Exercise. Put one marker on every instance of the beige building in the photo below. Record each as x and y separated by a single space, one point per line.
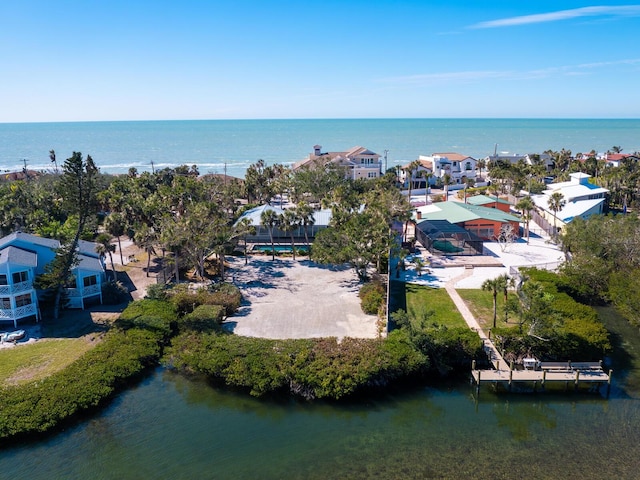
358 162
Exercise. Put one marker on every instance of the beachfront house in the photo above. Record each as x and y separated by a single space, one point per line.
357 162
527 159
436 166
23 257
581 199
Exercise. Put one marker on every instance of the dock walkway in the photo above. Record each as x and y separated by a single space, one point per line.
549 372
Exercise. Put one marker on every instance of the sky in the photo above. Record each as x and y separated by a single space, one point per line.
91 60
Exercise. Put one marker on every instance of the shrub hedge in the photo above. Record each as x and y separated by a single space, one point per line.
311 368
85 384
372 297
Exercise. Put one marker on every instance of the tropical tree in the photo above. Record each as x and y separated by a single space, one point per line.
526 206
419 266
289 223
306 218
114 223
494 286
270 219
556 202
105 247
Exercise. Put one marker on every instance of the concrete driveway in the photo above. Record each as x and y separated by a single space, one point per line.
297 299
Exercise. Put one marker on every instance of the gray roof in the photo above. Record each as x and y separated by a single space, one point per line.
27 237
255 214
86 262
18 256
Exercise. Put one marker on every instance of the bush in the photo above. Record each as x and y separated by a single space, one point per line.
114 293
85 384
311 368
372 297
157 291
224 294
203 318
154 315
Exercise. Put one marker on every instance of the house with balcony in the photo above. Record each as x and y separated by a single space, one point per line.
24 256
357 162
458 167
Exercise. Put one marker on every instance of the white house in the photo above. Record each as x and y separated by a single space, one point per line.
24 256
358 162
528 159
459 168
581 199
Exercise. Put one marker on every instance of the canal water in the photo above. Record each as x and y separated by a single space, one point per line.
172 427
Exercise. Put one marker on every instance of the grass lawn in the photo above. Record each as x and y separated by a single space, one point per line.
416 300
480 303
26 363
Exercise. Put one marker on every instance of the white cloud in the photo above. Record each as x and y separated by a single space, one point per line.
474 76
596 11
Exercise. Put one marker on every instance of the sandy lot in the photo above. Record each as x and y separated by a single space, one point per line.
301 299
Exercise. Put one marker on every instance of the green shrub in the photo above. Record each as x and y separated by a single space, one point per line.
114 293
157 291
203 318
311 368
225 294
40 406
372 297
149 314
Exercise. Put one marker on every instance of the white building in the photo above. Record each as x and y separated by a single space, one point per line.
582 199
458 167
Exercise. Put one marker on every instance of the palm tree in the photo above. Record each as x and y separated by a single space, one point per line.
556 202
244 228
114 223
493 286
269 218
480 165
304 212
446 180
506 282
526 206
411 170
104 246
289 223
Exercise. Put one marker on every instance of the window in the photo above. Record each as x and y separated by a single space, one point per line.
22 300
3 279
20 277
467 166
88 281
373 175
5 303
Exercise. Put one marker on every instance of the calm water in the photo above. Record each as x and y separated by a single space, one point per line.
117 146
173 428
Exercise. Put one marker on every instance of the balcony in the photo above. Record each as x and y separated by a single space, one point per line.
18 312
15 288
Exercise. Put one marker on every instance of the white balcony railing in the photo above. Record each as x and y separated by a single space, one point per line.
18 312
84 292
15 288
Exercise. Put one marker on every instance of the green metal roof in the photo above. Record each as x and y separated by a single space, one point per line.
458 212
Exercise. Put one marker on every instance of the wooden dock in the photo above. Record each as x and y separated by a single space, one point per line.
566 373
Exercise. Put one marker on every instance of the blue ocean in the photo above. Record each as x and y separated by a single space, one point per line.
216 145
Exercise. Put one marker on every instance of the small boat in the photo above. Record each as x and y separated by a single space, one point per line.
12 336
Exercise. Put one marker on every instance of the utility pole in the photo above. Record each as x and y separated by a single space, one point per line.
385 160
153 170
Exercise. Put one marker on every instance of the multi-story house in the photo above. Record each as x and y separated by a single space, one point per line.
358 162
23 257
